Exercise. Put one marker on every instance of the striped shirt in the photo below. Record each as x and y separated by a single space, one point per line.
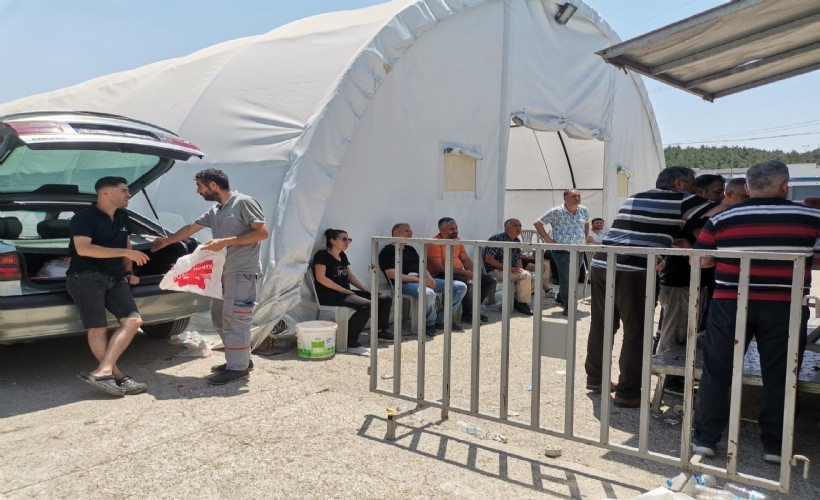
652 219
762 225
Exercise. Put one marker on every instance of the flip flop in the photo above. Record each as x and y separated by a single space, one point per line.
105 383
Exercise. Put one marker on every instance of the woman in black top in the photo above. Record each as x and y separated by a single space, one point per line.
331 270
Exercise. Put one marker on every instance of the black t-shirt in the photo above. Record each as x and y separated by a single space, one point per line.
103 231
335 271
409 259
675 272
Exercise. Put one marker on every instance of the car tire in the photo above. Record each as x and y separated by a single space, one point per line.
165 330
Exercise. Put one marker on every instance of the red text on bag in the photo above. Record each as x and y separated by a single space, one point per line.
196 275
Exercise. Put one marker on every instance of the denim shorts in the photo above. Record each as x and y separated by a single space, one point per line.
95 292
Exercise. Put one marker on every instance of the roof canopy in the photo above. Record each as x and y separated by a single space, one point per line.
738 46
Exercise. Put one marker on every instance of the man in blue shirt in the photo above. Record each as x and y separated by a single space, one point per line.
570 226
521 278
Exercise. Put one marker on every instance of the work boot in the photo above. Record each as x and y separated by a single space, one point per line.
226 376
224 366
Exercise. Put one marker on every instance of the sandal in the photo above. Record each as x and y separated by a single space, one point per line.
105 383
131 386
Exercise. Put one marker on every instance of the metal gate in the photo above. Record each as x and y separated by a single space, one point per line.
552 346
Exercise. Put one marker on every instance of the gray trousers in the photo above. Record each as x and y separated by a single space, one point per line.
232 317
675 302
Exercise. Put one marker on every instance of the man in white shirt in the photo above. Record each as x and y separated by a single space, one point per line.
597 232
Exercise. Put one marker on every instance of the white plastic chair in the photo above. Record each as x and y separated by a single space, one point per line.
528 235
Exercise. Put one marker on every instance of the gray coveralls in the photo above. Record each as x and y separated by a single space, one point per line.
233 315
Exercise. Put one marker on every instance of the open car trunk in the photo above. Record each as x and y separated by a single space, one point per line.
44 240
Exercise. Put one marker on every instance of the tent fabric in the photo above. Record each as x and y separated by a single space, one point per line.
342 120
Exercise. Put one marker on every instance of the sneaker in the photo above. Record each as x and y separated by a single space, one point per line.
565 312
772 458
431 330
131 386
226 376
359 350
224 366
627 402
523 308
386 337
706 451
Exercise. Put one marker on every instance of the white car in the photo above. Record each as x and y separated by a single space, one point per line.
49 162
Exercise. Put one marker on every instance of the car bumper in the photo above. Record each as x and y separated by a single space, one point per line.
34 317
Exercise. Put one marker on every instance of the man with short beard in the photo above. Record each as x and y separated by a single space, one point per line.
98 278
238 224
463 269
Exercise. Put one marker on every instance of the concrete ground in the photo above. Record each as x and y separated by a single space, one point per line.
301 428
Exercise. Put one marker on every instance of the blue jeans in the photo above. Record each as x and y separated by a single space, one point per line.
459 290
561 259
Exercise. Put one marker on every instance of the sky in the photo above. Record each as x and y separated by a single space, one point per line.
51 44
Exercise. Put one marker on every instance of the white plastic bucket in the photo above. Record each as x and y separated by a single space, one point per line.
316 339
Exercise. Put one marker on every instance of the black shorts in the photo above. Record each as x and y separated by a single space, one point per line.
95 292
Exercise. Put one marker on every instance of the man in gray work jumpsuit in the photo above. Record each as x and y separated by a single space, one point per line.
238 224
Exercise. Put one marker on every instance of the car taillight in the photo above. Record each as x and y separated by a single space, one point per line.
10 268
29 128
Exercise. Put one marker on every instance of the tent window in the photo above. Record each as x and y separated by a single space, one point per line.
624 174
460 170
459 173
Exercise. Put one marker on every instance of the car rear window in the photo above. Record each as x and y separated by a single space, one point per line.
69 168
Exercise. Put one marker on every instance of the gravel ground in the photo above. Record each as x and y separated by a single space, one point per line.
303 428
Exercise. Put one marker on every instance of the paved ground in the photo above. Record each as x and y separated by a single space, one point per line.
301 429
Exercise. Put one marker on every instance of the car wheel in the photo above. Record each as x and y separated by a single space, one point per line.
165 330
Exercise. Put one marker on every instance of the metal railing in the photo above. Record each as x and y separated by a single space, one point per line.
685 459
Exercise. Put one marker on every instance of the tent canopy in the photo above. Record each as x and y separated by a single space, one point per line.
734 47
399 112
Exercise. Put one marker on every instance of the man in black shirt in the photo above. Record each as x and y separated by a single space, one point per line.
412 279
98 278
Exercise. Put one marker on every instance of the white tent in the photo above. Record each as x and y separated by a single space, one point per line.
398 112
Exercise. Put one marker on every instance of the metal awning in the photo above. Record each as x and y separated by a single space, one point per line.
734 47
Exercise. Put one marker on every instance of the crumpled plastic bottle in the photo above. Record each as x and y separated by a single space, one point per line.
707 493
742 492
473 430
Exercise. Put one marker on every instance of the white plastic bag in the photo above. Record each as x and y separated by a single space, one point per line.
199 272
